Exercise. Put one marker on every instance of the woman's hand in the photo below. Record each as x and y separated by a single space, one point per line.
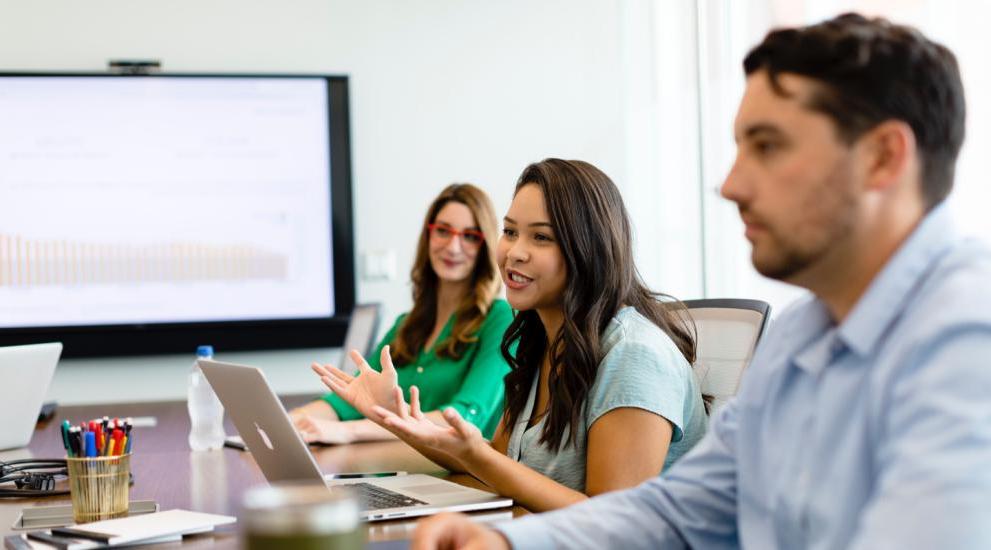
368 389
317 409
459 438
321 430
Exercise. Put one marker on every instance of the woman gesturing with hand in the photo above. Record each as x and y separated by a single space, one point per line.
367 390
449 342
455 437
600 395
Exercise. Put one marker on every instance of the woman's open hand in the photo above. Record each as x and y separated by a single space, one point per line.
458 439
366 390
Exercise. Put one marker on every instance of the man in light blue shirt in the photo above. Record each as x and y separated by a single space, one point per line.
864 420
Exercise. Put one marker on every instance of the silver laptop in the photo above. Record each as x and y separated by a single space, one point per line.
26 372
282 455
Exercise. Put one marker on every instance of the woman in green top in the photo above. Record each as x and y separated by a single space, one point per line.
601 391
448 344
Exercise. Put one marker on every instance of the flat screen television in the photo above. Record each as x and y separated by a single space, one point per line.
148 214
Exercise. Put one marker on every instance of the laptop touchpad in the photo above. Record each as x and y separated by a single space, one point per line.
433 489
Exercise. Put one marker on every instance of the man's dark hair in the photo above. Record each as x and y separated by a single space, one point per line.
870 71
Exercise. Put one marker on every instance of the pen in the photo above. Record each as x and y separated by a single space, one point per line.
65 437
75 441
128 424
90 444
98 437
117 443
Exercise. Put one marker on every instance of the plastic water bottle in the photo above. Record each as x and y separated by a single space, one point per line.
206 413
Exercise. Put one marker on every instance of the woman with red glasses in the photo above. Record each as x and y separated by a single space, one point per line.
448 344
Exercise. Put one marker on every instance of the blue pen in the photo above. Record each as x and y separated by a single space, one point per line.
90 444
128 424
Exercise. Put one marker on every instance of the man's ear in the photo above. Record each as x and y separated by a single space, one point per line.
890 153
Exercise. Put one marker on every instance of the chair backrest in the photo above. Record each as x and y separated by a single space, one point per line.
361 333
728 332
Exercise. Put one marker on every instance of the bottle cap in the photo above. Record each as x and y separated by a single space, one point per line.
204 351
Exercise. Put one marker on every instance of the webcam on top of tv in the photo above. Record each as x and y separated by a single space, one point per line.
134 66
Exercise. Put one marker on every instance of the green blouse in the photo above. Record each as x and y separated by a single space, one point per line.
472 385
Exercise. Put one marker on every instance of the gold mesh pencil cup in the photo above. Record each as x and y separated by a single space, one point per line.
99 487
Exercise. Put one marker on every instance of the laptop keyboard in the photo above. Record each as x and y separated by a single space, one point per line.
377 498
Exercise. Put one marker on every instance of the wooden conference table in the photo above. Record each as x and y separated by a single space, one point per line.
166 471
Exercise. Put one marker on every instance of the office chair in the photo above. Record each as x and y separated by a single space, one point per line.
728 332
362 329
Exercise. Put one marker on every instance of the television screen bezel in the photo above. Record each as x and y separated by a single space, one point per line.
265 334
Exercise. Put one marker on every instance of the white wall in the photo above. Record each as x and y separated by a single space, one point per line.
473 90
730 29
442 90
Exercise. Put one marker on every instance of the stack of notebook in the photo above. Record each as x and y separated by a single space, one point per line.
165 526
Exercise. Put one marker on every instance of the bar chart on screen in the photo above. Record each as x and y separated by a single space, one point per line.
51 280
33 262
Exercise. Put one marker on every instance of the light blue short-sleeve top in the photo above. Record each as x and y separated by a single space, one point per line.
641 368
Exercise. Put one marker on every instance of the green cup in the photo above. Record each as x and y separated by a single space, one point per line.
303 517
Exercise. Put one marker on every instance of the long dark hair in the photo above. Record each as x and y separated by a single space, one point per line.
592 228
485 282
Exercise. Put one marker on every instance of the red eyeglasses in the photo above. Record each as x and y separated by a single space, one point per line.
444 233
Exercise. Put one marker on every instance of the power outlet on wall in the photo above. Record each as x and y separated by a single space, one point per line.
378 265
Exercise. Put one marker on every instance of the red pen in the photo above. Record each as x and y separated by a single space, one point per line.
117 437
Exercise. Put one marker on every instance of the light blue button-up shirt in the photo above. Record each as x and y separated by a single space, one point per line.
871 434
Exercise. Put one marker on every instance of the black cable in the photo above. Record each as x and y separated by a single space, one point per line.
32 477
